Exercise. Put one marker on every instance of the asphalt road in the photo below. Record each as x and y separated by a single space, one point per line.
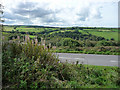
91 59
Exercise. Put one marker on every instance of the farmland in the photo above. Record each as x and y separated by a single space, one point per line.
71 39
108 34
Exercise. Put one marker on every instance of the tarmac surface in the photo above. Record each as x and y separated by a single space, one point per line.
91 59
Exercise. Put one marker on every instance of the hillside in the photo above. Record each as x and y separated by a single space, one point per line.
70 39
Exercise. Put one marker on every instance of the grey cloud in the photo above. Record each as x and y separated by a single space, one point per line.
26 5
11 16
50 18
34 11
40 12
23 8
85 14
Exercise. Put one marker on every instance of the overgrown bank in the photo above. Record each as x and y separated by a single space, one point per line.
91 50
32 66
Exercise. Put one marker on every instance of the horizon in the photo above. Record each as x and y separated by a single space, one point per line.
60 26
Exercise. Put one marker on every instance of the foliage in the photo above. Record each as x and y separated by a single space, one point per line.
71 37
32 66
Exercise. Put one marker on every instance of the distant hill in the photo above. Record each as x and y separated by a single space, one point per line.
35 26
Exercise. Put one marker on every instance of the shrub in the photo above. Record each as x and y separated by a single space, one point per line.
34 67
22 64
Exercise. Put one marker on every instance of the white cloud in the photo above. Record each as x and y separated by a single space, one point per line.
54 12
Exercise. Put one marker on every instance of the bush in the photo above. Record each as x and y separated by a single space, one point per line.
35 67
22 64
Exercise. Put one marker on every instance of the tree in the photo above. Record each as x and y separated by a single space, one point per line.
112 39
15 27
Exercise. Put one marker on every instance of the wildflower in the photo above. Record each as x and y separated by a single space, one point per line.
23 38
54 47
27 38
36 41
49 45
18 37
3 38
41 41
10 41
13 38
32 42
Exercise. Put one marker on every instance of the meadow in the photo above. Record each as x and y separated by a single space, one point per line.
108 34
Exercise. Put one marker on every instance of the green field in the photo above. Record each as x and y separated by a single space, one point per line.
30 29
32 36
23 29
108 34
61 31
80 38
8 28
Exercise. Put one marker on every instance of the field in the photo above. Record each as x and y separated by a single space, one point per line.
23 29
108 34
71 39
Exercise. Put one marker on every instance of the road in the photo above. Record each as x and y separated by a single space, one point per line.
91 59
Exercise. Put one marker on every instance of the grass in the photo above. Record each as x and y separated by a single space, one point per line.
61 31
32 36
30 29
82 31
23 29
89 50
4 33
7 28
106 34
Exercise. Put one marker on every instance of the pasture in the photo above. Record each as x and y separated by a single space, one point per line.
108 34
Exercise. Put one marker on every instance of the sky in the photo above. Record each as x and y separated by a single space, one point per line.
61 13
